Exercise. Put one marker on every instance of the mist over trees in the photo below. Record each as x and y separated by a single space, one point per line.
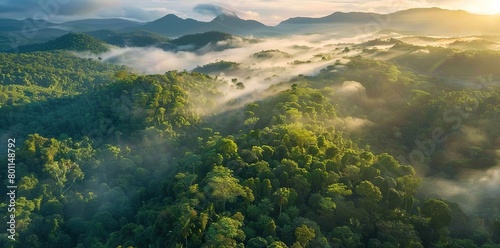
385 143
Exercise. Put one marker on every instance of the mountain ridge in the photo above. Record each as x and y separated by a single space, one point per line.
420 21
174 26
427 21
79 42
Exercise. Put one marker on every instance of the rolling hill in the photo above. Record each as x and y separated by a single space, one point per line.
72 42
131 39
337 17
173 26
212 40
88 25
200 40
234 25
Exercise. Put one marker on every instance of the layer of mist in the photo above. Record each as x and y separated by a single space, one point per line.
272 61
260 65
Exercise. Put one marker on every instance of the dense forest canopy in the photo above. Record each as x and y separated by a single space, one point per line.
350 156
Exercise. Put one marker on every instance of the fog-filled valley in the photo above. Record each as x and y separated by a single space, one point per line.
350 130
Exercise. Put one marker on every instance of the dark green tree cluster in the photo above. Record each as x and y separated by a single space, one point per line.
218 67
78 42
132 39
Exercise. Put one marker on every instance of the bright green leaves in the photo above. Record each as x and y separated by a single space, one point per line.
369 191
225 232
63 171
282 196
222 186
338 189
227 148
304 234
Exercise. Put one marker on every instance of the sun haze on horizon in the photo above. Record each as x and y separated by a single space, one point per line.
484 7
269 12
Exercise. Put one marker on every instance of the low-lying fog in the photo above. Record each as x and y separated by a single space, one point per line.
270 61
285 57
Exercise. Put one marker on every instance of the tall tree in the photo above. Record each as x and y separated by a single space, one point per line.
222 186
225 232
281 195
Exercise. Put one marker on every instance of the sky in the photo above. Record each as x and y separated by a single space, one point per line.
269 12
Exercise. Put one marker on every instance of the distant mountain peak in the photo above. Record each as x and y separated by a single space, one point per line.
169 17
171 25
226 17
235 22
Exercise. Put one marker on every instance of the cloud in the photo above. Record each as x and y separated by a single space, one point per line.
64 10
352 124
213 9
255 73
469 192
352 88
131 12
473 190
153 60
355 92
251 15
209 9
28 8
158 61
83 7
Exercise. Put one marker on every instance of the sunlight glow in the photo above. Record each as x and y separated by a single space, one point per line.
485 7
496 6
490 6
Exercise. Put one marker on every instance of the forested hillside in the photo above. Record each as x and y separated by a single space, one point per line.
72 42
132 39
109 158
35 77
